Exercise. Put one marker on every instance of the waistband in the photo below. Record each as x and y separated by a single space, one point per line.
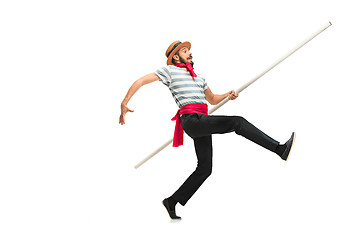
186 109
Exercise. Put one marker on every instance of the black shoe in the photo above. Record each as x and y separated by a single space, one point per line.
288 144
172 213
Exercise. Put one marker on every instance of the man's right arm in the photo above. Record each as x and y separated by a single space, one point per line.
152 77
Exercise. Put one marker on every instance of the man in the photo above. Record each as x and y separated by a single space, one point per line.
191 94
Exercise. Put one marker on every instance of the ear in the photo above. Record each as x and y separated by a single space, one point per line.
176 57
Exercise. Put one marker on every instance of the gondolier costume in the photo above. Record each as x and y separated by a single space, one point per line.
187 89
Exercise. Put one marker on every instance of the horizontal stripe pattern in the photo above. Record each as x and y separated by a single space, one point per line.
183 87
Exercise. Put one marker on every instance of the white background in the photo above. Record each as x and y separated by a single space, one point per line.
67 166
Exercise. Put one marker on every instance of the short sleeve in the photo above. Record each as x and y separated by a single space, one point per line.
205 86
164 75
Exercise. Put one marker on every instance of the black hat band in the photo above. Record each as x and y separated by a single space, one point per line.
177 44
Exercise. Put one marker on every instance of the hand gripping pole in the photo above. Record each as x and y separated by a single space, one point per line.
323 28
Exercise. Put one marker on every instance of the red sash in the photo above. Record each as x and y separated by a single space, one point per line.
188 108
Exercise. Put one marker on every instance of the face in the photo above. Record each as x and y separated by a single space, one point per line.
184 56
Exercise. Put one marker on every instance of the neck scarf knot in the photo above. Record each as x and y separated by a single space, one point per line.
189 67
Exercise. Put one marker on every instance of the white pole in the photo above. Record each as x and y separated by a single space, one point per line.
246 85
154 153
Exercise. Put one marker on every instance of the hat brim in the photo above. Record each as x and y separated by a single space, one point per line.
181 45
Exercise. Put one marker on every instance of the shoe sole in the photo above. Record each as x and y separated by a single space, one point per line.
169 214
291 146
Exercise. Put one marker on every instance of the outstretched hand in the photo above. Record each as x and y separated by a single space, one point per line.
124 110
232 95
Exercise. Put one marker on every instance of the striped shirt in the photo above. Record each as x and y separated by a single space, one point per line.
182 86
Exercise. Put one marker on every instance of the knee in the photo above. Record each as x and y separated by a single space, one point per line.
239 122
208 172
204 172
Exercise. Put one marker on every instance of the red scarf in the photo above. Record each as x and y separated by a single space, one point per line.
188 108
189 67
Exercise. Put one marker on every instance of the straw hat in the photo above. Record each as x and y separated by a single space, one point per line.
173 48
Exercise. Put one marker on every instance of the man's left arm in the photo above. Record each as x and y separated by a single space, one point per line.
214 99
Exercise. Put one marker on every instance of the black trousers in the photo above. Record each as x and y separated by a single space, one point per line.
200 127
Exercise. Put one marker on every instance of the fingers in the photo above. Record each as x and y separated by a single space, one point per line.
122 119
122 116
233 95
